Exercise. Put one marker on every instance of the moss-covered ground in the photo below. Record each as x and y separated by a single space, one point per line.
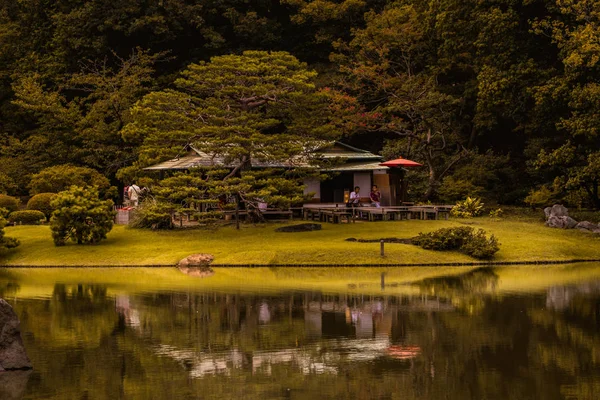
521 238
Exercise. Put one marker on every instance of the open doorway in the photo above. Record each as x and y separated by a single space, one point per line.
332 190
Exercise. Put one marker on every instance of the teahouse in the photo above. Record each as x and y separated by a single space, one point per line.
349 167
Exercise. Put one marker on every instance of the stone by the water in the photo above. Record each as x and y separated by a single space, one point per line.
558 210
587 226
299 228
547 211
196 260
12 351
557 216
13 384
562 222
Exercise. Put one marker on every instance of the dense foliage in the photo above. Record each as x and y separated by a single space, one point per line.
497 98
6 242
8 203
465 239
154 215
80 216
62 177
42 202
26 217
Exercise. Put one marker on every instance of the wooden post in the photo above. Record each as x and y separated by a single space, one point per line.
382 280
382 249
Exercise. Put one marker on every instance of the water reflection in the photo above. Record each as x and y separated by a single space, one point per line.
458 338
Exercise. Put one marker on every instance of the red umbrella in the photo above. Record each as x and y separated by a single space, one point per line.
401 162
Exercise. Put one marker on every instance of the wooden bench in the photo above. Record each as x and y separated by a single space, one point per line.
335 216
289 214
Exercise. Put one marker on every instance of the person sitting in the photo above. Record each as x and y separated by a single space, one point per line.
375 196
355 198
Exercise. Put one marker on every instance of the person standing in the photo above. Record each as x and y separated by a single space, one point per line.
375 196
134 194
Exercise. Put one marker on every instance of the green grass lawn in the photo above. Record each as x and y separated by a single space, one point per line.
525 239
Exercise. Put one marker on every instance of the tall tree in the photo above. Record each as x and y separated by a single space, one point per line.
573 94
255 109
80 121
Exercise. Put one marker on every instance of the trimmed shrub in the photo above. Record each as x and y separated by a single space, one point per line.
6 242
453 190
27 217
444 239
8 202
41 202
464 239
480 246
62 177
80 216
541 197
153 214
468 208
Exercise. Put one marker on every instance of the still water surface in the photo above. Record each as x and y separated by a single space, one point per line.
467 335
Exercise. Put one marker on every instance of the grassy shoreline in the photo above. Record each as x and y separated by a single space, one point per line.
522 240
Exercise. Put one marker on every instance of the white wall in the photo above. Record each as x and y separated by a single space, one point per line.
363 180
312 185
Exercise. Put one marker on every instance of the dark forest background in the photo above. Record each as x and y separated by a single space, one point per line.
498 98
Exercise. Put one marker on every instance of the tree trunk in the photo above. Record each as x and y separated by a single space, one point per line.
432 181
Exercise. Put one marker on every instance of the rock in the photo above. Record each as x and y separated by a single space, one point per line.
587 226
299 228
196 260
558 210
197 272
561 222
547 211
12 352
13 384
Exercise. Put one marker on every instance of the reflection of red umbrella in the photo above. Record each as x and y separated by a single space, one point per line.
403 352
401 162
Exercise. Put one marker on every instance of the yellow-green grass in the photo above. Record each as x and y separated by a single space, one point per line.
521 240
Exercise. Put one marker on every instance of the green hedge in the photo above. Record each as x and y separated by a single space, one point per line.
8 202
464 239
41 202
28 217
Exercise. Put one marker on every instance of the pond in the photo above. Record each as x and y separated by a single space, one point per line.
456 333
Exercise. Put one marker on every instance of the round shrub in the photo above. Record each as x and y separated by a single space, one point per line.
465 239
41 202
27 217
8 202
80 216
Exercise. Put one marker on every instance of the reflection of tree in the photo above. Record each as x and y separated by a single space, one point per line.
464 290
10 288
218 345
